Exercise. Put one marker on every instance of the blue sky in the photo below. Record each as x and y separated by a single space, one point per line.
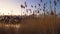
33 2
48 5
6 6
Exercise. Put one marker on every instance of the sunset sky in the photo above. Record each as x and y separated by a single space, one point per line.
8 6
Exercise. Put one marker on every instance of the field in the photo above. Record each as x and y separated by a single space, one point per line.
32 25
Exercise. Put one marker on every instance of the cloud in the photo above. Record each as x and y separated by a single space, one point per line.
6 6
